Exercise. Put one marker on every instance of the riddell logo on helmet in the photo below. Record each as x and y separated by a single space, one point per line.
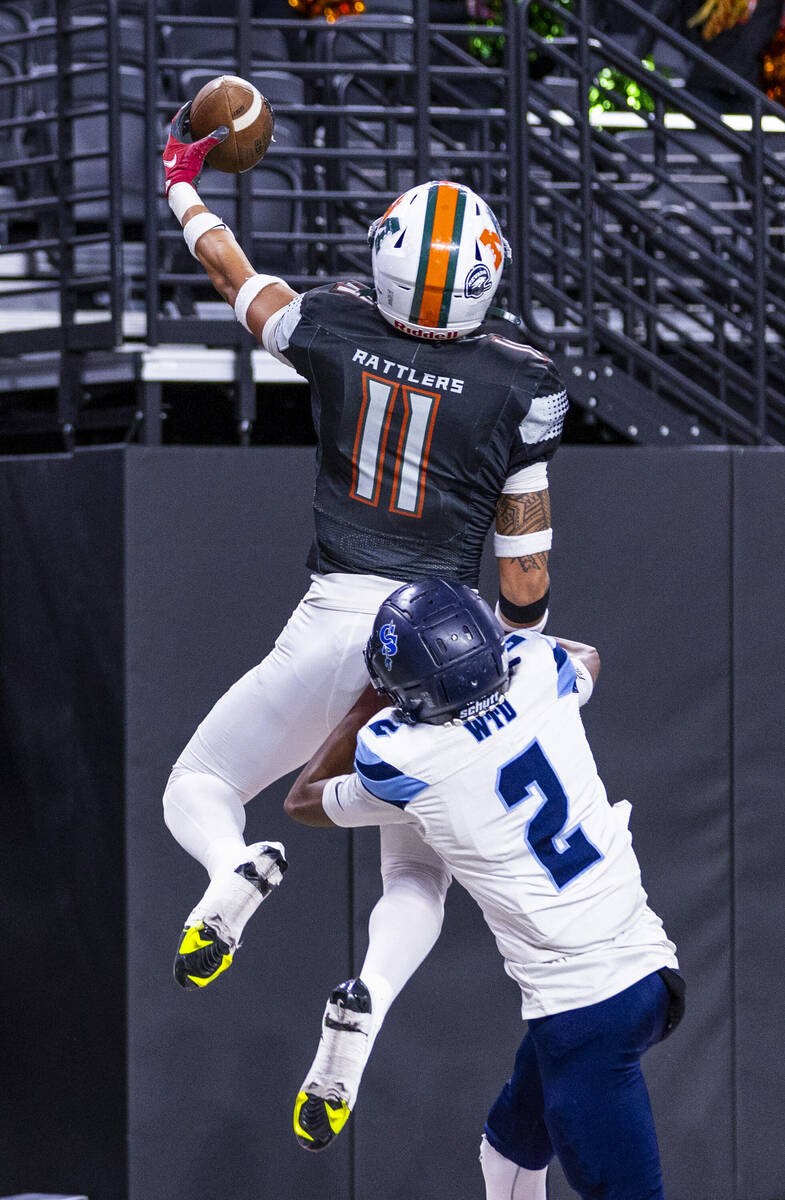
429 334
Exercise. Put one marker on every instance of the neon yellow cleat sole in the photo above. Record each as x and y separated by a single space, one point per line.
317 1122
201 956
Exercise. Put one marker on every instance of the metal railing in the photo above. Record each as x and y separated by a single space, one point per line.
653 252
660 245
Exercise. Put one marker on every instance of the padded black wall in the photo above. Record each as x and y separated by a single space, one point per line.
135 587
758 771
63 1061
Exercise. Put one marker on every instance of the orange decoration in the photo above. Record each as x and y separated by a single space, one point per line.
331 10
774 67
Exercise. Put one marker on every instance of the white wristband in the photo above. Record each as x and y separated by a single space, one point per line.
523 543
248 293
182 196
201 223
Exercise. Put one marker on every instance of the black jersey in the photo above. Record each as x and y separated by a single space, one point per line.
415 438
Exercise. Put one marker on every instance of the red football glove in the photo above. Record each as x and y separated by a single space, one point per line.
183 158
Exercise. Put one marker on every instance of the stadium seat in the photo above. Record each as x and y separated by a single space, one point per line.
214 48
91 133
89 41
378 38
13 22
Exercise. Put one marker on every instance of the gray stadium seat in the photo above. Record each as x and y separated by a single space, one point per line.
91 133
214 48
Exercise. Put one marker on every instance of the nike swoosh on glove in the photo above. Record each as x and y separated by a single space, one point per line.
183 159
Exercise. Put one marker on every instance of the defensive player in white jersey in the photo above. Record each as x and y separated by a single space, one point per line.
428 426
483 752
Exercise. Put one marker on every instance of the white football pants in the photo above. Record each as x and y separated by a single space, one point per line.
270 722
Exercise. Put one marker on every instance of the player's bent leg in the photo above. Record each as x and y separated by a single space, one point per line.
206 816
506 1180
329 1090
213 928
268 722
407 918
597 1107
516 1147
404 926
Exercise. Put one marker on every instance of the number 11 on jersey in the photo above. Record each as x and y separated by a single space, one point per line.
414 444
531 774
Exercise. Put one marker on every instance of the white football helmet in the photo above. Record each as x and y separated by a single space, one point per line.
437 256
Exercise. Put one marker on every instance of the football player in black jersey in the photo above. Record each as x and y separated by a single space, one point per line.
428 426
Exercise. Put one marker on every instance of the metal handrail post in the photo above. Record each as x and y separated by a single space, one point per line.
586 171
115 150
245 389
423 89
153 173
758 331
67 393
515 148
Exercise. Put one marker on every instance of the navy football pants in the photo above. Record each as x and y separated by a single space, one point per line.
577 1091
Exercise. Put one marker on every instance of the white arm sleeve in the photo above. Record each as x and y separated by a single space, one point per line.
533 478
347 803
278 329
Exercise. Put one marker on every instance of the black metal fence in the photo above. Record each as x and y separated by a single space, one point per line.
648 244
657 240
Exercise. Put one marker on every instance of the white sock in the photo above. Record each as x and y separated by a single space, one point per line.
381 999
207 817
402 930
505 1180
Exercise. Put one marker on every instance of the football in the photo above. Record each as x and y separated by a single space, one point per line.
236 103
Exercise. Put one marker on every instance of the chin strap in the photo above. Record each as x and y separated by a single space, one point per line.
506 316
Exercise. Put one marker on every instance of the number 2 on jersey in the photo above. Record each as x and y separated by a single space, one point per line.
414 444
531 774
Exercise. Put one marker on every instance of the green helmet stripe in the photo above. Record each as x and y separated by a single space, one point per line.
425 252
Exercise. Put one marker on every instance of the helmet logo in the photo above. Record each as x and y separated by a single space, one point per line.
478 281
388 225
389 639
490 238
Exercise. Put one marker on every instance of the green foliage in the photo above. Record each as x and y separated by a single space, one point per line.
612 89
543 20
615 90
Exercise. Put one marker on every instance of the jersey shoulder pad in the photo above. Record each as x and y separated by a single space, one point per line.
543 657
513 350
378 774
341 308
357 291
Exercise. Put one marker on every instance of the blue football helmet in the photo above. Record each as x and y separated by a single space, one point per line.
438 652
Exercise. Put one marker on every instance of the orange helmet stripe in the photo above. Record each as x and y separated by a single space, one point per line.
442 245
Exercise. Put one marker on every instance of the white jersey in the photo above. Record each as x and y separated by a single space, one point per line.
512 803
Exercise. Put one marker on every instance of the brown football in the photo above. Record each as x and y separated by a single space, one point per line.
236 103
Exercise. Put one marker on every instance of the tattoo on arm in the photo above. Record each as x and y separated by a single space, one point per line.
527 513
533 562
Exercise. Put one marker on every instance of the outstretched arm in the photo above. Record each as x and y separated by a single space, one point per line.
254 297
335 756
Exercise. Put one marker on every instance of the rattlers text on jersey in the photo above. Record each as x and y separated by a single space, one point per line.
417 439
512 802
